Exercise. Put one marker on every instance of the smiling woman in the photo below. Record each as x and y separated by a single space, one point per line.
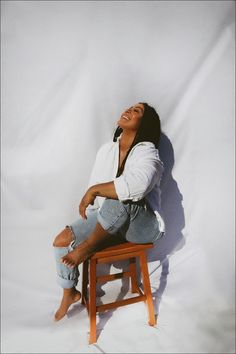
131 118
125 178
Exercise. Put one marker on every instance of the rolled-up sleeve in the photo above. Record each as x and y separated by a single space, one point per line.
143 169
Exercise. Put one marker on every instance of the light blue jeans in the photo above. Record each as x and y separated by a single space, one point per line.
133 221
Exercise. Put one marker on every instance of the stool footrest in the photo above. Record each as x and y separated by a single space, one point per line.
110 277
119 257
120 303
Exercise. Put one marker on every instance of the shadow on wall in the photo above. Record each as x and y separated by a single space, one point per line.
172 209
173 214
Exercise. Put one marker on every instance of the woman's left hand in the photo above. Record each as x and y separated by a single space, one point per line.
87 199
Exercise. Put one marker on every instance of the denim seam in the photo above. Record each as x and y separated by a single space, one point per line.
134 215
160 235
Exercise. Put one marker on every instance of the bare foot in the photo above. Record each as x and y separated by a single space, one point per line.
69 298
78 255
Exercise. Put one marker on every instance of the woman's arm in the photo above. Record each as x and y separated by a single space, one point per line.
102 190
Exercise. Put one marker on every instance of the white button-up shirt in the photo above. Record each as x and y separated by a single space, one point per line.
140 179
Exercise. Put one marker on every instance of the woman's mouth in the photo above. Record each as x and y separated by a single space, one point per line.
125 117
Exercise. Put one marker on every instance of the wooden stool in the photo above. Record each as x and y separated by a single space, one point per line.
109 255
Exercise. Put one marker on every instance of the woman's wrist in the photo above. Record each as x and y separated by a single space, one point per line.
93 190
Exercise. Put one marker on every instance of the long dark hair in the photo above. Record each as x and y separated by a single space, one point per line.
149 130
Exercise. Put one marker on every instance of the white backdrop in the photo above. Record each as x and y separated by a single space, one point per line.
69 68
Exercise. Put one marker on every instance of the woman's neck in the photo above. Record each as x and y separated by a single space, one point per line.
126 140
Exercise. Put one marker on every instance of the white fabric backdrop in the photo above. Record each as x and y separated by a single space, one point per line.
69 68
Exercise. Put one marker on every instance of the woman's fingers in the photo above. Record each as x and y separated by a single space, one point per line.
87 199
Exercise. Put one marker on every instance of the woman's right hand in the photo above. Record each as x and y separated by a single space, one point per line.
87 199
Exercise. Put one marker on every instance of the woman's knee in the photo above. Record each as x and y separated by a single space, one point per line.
64 238
112 215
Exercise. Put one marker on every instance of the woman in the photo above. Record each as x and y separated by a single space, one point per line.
123 198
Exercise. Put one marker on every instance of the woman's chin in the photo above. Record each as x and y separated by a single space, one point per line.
121 124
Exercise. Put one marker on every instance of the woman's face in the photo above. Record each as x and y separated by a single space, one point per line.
131 117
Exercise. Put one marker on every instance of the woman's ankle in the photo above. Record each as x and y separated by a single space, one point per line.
69 291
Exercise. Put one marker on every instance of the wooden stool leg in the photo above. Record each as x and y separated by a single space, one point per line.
147 288
92 301
132 267
84 282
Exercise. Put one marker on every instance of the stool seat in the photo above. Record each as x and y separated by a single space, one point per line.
125 251
125 247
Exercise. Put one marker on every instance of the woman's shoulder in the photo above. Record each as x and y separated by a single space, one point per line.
146 149
106 147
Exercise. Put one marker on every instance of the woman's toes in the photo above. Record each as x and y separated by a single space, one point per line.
68 262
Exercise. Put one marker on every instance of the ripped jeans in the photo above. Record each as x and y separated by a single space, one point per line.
134 221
